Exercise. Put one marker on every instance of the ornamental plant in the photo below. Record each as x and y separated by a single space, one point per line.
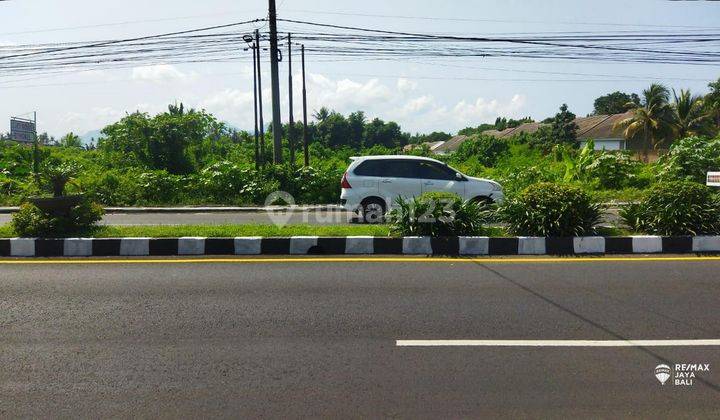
30 221
438 214
675 208
548 209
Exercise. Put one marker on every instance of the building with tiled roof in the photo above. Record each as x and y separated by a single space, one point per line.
451 145
599 128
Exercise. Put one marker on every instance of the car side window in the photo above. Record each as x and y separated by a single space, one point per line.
430 170
399 169
369 168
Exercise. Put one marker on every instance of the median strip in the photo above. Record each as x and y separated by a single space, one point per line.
365 245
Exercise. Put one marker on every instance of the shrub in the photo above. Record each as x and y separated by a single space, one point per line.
486 149
612 170
437 215
30 221
223 181
111 187
690 159
675 208
548 209
158 187
518 180
314 185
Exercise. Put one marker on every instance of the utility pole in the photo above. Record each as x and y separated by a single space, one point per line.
255 105
291 127
36 151
260 103
275 85
304 99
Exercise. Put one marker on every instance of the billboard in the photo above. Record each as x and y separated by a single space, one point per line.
713 179
22 130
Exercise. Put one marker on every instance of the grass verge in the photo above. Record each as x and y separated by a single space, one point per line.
232 231
224 231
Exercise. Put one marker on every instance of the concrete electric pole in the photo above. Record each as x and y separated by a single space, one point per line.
275 85
304 99
258 48
291 127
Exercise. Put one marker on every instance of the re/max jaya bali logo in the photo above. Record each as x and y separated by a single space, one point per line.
682 374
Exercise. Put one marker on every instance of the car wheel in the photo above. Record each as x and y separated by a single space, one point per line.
373 211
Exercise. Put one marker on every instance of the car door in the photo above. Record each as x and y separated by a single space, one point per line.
399 180
436 177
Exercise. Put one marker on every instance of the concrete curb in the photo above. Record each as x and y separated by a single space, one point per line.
366 245
208 209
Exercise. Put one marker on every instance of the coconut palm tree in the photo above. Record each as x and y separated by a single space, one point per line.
651 122
712 103
689 115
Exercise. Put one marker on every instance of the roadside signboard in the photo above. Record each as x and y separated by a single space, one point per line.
22 130
713 179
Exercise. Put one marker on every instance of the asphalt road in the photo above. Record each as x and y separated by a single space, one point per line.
318 339
314 217
319 217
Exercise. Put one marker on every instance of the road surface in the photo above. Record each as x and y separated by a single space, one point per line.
314 217
318 339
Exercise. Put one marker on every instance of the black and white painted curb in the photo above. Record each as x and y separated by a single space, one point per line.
357 245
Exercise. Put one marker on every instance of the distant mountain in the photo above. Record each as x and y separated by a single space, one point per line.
89 136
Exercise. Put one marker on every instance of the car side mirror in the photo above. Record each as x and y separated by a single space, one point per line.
459 176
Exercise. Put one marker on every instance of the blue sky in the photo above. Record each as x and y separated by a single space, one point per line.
423 95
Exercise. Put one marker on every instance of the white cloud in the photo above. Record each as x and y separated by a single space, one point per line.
82 122
160 73
232 105
418 105
406 102
406 85
346 95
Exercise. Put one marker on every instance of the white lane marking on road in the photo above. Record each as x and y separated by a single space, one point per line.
555 343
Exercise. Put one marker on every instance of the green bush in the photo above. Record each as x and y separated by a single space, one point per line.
437 215
517 181
223 182
612 170
159 187
487 149
548 209
690 159
312 185
30 221
675 208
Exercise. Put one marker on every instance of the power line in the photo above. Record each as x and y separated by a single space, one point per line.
123 23
435 18
119 41
484 39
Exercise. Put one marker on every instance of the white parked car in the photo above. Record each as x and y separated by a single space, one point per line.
372 184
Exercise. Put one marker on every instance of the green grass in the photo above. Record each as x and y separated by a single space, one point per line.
232 231
614 231
225 231
624 195
267 231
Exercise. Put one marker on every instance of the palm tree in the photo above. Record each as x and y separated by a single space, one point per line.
689 115
651 121
322 114
712 102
